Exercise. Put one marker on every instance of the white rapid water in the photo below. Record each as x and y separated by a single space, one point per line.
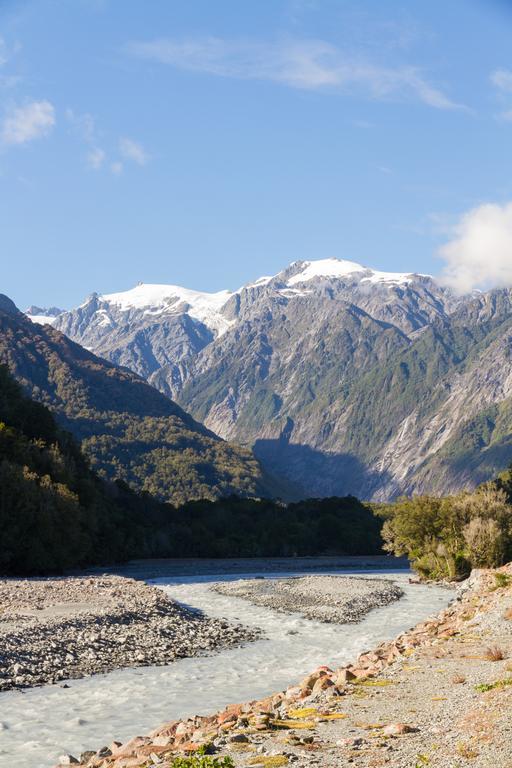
39 725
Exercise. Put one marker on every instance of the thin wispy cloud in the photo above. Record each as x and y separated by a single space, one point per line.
479 253
132 150
96 158
6 53
502 80
84 125
24 124
4 56
302 64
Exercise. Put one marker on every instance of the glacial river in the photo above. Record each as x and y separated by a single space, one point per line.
40 724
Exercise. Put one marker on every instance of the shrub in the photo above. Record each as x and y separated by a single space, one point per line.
446 538
502 580
202 761
485 542
494 653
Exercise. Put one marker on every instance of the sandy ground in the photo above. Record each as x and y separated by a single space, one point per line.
439 695
336 599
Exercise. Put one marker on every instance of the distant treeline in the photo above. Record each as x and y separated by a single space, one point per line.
236 527
55 513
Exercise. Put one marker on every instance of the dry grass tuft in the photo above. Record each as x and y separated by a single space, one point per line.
467 751
494 653
480 723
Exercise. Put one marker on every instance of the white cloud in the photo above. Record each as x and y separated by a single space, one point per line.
4 56
502 80
95 158
132 150
24 124
304 64
84 125
116 168
479 255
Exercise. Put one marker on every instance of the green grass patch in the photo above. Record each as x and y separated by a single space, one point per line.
486 687
502 580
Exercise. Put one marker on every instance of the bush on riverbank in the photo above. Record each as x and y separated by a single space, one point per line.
446 537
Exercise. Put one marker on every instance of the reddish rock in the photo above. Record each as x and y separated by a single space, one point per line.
344 676
189 746
398 729
322 684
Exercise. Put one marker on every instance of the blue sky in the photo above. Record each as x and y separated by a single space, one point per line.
208 143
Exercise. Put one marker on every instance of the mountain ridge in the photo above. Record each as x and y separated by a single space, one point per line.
309 369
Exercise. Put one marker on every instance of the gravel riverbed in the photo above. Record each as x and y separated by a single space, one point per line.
439 694
331 599
61 628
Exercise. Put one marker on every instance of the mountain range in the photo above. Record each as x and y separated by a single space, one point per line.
342 379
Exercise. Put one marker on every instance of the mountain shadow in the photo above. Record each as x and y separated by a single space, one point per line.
318 473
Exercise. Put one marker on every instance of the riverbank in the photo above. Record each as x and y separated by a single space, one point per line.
331 599
439 694
205 566
65 628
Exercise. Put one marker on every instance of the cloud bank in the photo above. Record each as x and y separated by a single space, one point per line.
303 64
480 252
24 124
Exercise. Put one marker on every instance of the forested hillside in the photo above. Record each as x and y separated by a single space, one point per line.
129 430
54 512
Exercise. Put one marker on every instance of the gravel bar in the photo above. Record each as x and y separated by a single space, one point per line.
331 599
61 628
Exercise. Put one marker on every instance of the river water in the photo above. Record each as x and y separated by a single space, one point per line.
40 724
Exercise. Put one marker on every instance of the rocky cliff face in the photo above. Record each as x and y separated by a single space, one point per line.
344 379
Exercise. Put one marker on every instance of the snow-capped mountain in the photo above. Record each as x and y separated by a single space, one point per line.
43 316
160 329
345 379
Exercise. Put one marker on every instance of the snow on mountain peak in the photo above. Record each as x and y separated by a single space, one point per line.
333 268
42 315
324 268
159 299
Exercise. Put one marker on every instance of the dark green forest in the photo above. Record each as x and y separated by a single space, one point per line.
56 513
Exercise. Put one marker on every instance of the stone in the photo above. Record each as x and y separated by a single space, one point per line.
68 760
322 684
398 729
344 676
354 742
87 755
